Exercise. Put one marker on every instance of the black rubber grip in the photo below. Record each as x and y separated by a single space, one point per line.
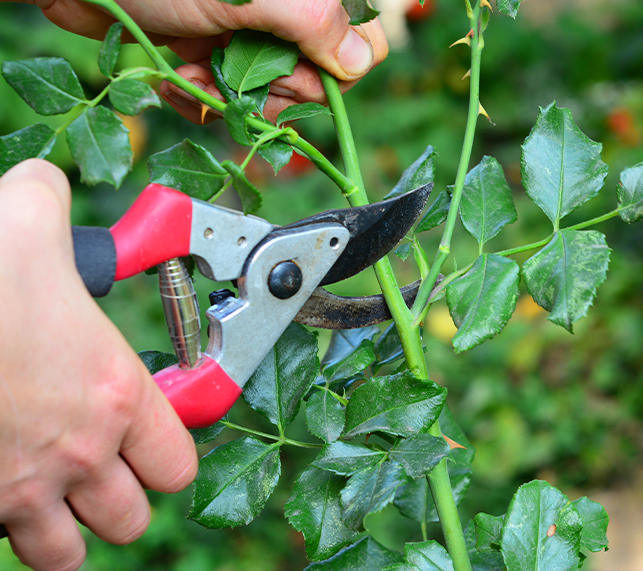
95 258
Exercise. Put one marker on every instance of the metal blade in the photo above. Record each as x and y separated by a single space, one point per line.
374 229
329 311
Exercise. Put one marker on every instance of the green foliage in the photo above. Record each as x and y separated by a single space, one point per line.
561 166
156 361
398 404
253 59
49 85
234 482
347 459
419 454
110 50
35 141
248 192
563 276
486 204
595 520
630 194
131 96
482 300
436 213
426 556
277 153
359 11
325 416
488 532
235 116
365 555
99 143
418 174
301 111
509 7
314 509
284 376
188 167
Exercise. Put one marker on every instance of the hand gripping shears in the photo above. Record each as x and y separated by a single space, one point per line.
276 271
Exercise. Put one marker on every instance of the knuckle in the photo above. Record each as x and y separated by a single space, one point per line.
133 526
184 473
325 16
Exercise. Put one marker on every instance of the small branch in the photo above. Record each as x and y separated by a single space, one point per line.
269 436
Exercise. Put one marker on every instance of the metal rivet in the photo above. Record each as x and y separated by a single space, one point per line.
208 234
285 280
242 241
334 243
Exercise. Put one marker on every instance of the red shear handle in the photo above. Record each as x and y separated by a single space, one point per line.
200 396
155 229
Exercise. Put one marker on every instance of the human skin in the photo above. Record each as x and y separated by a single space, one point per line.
83 427
191 28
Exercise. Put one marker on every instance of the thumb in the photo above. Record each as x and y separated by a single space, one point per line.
38 173
322 31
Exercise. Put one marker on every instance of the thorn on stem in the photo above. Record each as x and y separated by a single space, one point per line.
452 443
470 34
465 40
481 111
484 3
468 74
204 111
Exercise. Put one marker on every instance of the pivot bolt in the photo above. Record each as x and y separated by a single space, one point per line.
285 280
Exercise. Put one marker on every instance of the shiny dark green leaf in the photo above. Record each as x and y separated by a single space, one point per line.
415 501
253 59
400 567
156 361
359 11
99 144
188 167
561 166
346 459
35 141
110 49
398 404
564 275
248 193
509 7
131 96
630 194
370 491
481 560
284 376
388 347
488 531
313 509
234 482
595 520
351 365
403 251
324 416
482 301
203 435
366 555
301 111
259 95
48 84
542 530
277 153
419 454
436 214
486 204
428 556
235 116
419 173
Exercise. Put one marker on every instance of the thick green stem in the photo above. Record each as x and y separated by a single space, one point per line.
474 110
409 334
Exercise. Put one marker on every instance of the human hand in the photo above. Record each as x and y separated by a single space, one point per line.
83 426
192 28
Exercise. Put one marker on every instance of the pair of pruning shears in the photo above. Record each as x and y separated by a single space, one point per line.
278 272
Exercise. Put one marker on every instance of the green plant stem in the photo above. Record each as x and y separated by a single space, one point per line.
341 400
281 439
409 334
444 248
166 72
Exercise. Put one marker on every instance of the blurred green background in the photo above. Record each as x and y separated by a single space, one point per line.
536 401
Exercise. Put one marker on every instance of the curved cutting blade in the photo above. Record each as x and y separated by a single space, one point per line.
374 229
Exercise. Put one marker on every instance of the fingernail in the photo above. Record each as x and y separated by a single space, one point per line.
283 91
355 55
183 98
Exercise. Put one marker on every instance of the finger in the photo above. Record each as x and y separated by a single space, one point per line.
186 104
322 31
157 447
112 504
50 540
38 173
